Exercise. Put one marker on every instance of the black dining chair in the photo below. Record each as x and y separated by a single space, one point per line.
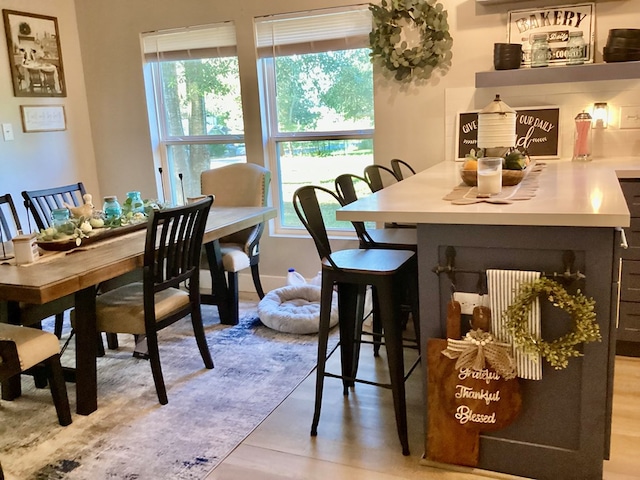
170 289
389 272
401 168
40 203
19 312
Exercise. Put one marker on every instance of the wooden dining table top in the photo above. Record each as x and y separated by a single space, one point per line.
71 271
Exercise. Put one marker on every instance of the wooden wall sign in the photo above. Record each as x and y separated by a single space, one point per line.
463 403
536 131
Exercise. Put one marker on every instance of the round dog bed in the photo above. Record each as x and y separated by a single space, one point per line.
294 309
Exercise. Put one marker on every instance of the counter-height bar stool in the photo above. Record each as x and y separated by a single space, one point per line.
379 177
351 271
401 168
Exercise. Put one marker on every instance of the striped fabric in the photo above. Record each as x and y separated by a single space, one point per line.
503 286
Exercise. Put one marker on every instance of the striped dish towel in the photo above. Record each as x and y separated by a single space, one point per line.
503 286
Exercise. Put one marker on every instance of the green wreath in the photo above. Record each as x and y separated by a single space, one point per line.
579 307
24 28
419 62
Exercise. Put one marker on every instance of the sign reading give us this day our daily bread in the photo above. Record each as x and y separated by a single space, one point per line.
536 132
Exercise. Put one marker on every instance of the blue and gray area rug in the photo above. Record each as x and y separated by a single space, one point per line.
131 436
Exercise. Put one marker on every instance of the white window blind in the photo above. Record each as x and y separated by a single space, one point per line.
313 31
211 41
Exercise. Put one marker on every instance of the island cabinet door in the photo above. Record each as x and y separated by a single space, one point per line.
563 427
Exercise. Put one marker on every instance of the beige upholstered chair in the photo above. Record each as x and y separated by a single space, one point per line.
22 348
171 260
238 185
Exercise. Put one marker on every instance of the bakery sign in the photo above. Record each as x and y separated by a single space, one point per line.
536 132
557 23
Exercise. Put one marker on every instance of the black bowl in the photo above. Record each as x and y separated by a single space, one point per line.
623 42
625 32
507 48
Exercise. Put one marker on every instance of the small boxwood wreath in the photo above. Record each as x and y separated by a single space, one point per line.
579 307
419 62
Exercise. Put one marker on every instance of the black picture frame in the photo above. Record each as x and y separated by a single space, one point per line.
35 56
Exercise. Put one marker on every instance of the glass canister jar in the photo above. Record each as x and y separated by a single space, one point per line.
540 50
575 49
59 216
111 208
582 141
136 205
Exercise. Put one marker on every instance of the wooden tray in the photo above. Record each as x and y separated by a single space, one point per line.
100 234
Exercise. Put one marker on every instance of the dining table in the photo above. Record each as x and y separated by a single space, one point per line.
79 271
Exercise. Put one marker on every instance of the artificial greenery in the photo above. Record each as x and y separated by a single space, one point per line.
419 62
559 351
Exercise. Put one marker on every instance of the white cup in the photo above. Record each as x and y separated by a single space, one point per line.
490 175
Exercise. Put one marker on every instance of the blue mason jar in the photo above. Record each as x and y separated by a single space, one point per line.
135 202
59 216
111 208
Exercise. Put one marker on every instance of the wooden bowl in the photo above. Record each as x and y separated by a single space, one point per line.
509 177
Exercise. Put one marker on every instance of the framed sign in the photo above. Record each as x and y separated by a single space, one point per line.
536 131
35 58
556 23
43 118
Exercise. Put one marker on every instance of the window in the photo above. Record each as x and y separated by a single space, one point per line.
193 77
318 90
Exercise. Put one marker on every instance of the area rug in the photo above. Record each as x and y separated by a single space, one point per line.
131 436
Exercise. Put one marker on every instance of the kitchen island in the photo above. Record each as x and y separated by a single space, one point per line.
571 228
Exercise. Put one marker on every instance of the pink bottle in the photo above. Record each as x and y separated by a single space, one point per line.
582 143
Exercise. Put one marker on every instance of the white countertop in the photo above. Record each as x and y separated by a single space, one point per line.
570 194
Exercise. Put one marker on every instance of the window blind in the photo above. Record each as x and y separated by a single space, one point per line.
313 31
189 43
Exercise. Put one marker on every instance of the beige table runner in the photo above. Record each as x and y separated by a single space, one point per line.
525 190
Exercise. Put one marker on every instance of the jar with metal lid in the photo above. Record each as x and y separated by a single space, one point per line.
575 49
540 50
135 203
111 208
582 141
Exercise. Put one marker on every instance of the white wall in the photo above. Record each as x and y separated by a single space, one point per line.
41 160
413 124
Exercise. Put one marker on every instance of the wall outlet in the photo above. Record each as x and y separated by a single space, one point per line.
630 116
468 301
7 132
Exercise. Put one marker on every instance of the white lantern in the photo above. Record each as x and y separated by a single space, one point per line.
496 128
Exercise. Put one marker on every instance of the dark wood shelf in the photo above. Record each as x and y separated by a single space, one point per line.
591 72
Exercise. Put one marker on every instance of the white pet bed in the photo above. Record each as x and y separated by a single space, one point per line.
294 309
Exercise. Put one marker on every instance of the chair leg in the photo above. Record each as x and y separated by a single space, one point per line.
255 274
233 297
348 324
11 388
58 389
112 341
326 298
156 369
201 340
57 327
359 319
376 323
392 327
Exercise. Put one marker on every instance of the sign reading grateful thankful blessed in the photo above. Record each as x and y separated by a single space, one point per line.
536 132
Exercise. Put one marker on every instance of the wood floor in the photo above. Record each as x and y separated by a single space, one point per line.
357 438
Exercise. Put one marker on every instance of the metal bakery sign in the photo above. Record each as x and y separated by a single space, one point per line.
557 23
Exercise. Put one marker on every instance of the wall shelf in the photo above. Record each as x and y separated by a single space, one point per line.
591 72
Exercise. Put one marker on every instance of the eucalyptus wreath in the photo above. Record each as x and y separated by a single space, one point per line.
419 62
579 307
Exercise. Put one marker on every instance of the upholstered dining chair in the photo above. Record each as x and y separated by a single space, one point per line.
401 168
22 348
238 185
389 272
170 289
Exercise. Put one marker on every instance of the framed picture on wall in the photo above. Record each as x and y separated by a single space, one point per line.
35 57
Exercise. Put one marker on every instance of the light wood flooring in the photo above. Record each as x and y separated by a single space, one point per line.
357 437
